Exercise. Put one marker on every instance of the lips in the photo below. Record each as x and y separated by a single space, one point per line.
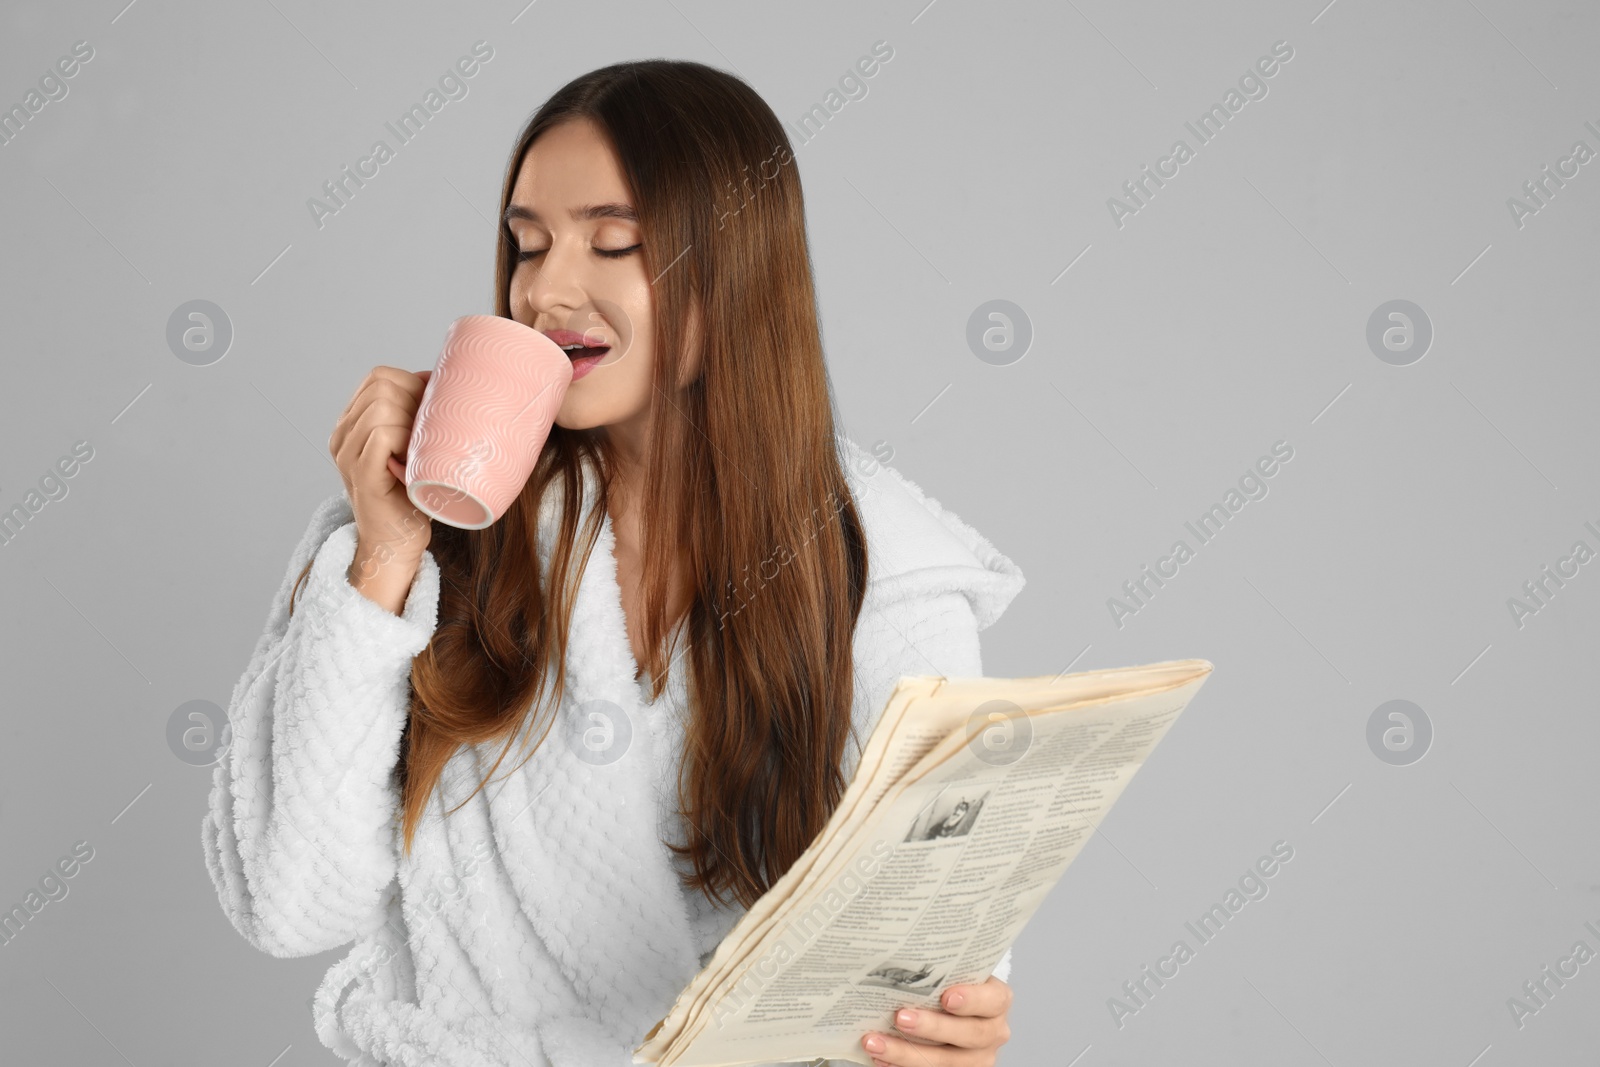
576 345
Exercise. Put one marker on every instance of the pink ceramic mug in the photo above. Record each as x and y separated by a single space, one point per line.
484 417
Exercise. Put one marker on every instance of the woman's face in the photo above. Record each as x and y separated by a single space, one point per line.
580 268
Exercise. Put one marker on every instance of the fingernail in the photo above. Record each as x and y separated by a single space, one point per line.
874 1043
956 999
906 1020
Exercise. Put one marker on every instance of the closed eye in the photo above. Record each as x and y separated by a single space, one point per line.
609 253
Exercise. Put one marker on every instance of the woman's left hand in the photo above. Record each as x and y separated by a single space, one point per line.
966 1033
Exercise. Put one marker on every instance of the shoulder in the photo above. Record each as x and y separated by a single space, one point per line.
917 547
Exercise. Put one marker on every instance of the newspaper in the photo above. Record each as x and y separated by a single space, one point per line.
970 800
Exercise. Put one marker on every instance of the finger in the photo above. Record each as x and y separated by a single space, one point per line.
374 387
901 1052
407 394
381 412
922 1024
351 441
382 445
402 385
992 997
379 373
360 463
394 374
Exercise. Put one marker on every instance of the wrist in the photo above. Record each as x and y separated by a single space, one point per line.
373 559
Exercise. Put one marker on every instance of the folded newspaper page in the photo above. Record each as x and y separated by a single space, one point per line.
969 802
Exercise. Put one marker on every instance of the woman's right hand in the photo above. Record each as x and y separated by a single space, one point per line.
369 445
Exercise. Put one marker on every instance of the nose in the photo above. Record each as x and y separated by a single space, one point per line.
555 286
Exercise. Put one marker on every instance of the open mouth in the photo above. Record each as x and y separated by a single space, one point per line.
577 346
584 353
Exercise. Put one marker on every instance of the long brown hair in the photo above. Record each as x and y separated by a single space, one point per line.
742 481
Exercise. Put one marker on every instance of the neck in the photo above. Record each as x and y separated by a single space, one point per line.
628 440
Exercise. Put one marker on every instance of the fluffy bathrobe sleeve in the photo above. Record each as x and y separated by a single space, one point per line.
300 836
936 582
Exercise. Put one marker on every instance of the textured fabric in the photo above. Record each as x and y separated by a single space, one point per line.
542 923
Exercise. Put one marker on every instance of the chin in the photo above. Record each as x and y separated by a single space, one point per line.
605 402
576 422
581 416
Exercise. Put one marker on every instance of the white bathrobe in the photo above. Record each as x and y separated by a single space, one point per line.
543 923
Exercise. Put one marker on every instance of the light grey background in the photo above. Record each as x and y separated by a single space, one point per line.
1228 314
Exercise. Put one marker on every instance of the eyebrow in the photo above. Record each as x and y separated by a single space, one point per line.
586 213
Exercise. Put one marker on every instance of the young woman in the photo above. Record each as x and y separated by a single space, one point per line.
687 625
